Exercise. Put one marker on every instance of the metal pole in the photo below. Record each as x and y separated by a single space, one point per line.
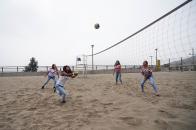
92 57
151 60
181 64
156 57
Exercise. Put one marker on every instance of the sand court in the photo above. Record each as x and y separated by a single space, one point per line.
96 103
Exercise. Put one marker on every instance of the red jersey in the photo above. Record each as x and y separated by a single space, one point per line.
117 68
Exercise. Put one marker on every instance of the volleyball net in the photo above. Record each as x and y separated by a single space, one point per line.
170 39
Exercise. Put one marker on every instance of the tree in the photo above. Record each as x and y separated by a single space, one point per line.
33 65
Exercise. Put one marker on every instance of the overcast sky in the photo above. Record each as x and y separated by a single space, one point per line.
56 31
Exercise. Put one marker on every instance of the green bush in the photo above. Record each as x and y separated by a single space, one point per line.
33 65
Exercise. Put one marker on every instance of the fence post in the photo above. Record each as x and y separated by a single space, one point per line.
2 69
96 67
17 68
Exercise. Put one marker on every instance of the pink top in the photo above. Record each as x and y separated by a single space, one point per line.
117 68
147 72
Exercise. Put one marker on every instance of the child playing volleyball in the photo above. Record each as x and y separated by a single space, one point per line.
117 71
64 76
52 72
147 73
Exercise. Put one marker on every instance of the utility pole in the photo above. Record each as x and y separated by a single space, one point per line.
151 61
181 68
156 57
92 57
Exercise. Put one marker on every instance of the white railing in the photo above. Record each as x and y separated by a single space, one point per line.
125 68
4 69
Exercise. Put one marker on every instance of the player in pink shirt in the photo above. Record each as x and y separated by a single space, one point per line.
147 73
117 71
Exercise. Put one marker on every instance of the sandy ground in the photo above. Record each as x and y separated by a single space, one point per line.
96 103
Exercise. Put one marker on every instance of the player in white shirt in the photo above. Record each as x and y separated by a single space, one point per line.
52 72
64 76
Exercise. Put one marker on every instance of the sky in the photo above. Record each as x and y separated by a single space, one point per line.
57 31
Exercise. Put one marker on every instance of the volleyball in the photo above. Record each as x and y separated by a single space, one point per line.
96 26
74 74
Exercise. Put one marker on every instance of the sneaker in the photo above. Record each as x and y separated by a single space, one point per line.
144 94
157 94
54 89
63 101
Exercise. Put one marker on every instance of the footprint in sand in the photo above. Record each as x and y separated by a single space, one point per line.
181 105
166 114
69 117
94 101
162 125
79 96
93 114
107 103
107 107
116 108
182 125
32 109
131 120
83 89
